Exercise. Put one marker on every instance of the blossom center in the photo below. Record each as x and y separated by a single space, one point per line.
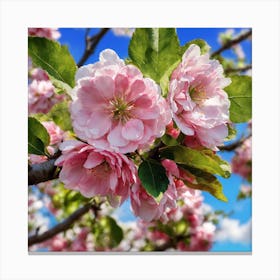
121 109
198 94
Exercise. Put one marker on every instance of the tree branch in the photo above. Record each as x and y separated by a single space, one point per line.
42 172
240 69
233 146
91 43
66 224
233 42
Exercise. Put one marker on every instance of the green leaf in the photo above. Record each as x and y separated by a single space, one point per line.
153 177
61 116
112 230
55 59
35 145
164 80
61 87
169 140
240 96
205 182
231 132
204 47
204 159
156 52
38 137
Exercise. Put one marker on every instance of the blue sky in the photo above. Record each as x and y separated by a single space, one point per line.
241 210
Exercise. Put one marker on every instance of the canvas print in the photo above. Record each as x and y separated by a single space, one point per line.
139 140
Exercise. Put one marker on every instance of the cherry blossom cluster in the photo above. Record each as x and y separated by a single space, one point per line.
50 33
76 240
37 222
117 114
199 105
187 229
242 161
57 135
41 93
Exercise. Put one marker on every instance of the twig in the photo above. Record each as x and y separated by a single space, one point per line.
233 42
91 43
66 224
240 69
42 172
233 146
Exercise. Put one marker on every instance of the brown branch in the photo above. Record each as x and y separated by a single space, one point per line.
234 145
66 224
91 43
233 42
42 172
240 69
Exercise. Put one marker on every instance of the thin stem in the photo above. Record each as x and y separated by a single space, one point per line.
240 69
233 146
91 43
63 226
233 42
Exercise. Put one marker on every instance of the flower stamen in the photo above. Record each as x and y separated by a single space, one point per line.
120 109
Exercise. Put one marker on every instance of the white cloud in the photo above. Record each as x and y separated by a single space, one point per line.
232 231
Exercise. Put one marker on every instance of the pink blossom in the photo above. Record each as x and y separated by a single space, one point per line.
123 31
242 162
80 242
172 168
146 207
39 74
50 33
57 243
115 108
246 190
33 159
198 102
56 134
41 97
172 131
202 240
95 172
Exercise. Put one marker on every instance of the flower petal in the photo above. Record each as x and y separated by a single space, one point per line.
105 86
98 124
94 159
133 130
115 137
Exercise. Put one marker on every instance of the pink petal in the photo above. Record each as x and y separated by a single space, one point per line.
133 130
115 137
143 101
183 126
137 87
113 181
99 123
108 55
121 83
105 86
147 113
93 160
